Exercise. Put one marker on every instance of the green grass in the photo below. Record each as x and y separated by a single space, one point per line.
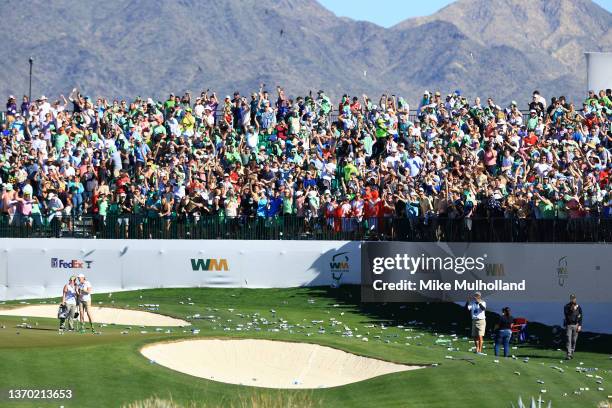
107 370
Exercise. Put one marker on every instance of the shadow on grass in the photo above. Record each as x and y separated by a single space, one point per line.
450 318
36 328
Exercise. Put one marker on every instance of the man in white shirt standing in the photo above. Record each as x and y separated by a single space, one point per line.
476 306
85 291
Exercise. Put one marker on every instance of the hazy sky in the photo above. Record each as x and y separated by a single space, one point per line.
390 12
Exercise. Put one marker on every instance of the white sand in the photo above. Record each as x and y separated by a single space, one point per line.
266 363
99 314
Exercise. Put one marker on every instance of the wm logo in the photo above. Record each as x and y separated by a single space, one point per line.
340 262
495 270
562 271
209 264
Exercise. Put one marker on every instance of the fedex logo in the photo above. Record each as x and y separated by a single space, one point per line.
70 263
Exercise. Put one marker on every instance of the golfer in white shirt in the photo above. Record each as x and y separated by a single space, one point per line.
69 299
85 291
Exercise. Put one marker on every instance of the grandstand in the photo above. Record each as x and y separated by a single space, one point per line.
270 166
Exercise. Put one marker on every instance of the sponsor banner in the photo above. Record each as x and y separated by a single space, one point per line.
31 268
42 268
408 272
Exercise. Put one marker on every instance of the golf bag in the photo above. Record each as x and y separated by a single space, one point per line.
62 312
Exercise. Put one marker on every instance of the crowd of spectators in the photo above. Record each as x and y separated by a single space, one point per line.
268 155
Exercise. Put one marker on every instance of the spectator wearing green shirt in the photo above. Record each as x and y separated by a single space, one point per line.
103 205
287 206
532 121
349 170
368 143
546 207
169 104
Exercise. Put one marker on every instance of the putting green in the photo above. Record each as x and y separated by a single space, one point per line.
107 369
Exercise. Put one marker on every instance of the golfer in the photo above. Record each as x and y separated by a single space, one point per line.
69 299
573 325
84 290
476 306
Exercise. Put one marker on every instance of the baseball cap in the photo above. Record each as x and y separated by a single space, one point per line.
80 275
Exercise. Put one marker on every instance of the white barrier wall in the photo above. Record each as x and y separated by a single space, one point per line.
35 268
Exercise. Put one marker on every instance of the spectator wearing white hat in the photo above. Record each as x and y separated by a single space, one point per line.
11 109
44 106
55 206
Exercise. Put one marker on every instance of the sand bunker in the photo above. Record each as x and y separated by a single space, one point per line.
107 315
266 363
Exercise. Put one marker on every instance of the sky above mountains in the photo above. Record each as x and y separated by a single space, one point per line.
387 13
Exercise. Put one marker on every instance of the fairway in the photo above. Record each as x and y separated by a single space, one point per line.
107 369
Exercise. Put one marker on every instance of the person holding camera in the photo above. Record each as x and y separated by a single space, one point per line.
573 325
476 306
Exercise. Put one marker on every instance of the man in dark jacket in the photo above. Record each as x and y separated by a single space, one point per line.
573 325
